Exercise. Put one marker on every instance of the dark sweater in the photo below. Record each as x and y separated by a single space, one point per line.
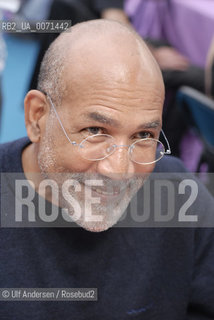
140 273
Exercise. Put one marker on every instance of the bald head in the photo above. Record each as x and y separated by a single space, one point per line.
92 51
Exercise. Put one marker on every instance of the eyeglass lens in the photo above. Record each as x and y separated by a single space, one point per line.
100 146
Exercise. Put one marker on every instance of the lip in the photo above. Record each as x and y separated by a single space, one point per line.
102 192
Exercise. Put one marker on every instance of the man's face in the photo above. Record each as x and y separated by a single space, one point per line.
124 105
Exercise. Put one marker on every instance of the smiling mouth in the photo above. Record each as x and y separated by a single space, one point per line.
106 193
113 192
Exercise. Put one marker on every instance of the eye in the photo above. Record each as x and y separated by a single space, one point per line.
145 135
93 130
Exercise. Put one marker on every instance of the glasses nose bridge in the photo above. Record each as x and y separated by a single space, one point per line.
121 146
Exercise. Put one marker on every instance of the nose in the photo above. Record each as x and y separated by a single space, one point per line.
117 166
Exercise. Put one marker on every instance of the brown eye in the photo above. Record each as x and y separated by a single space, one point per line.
145 135
94 130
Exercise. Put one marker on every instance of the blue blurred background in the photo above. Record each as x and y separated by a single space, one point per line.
21 57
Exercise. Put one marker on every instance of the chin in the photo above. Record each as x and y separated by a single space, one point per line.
96 226
107 222
99 227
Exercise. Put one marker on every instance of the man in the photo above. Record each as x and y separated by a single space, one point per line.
94 125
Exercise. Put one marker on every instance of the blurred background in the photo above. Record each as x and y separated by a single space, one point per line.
180 35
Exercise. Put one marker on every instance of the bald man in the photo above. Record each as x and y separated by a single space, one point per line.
94 131
111 80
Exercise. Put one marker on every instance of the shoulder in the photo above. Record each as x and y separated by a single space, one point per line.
189 193
10 155
170 164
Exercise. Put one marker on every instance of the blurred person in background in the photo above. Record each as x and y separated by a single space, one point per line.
34 10
152 19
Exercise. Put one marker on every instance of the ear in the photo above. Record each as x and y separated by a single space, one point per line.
36 111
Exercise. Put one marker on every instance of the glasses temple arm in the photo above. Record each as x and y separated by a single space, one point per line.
168 151
60 122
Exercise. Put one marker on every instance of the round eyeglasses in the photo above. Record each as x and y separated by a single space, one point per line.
100 146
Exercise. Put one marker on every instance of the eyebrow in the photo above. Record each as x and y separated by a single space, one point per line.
150 125
101 118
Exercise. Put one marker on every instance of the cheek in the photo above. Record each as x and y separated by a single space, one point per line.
69 160
72 162
144 169
55 155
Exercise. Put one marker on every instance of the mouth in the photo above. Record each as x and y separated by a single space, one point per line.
107 193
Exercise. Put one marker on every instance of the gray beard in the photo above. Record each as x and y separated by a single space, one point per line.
94 217
108 211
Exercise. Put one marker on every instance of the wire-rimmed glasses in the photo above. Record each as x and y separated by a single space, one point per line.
100 146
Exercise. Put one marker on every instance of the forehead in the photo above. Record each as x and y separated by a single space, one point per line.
118 83
119 110
118 98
